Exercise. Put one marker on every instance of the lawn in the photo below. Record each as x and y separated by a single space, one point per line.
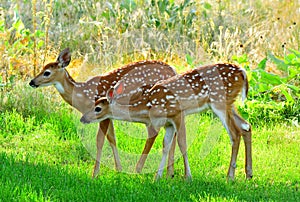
48 159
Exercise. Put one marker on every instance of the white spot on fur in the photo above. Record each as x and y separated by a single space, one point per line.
168 97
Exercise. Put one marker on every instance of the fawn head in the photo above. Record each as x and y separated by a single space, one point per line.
103 106
52 72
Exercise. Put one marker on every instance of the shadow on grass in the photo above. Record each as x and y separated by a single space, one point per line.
23 181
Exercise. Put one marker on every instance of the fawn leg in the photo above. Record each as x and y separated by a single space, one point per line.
181 139
103 126
111 137
247 136
170 131
152 134
170 169
227 118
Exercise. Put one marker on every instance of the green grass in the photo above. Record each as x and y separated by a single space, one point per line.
43 158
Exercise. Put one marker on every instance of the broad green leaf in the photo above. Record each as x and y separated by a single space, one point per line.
240 59
18 25
262 87
297 53
288 97
189 59
262 64
292 59
268 78
39 33
207 5
40 44
271 78
2 25
294 88
279 63
293 71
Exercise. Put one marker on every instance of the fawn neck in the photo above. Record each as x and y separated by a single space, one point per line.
72 93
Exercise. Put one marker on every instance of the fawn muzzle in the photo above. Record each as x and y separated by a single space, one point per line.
32 84
84 120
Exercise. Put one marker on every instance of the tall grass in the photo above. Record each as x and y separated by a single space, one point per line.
114 33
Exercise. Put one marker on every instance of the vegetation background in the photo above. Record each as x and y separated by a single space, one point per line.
42 154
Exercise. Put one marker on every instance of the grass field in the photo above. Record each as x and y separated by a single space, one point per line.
43 158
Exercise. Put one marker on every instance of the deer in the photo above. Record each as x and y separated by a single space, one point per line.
166 103
82 96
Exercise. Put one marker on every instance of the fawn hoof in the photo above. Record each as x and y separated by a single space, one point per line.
249 177
170 175
138 169
188 179
230 178
119 168
157 177
95 175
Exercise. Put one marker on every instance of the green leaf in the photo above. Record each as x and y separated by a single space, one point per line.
2 25
297 53
262 87
269 78
39 33
12 78
262 64
294 88
279 63
18 25
129 5
240 59
207 6
162 5
293 72
288 97
189 59
40 44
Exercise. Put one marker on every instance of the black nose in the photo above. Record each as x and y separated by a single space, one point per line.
32 84
83 120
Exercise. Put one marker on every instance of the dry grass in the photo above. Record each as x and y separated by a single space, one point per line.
106 35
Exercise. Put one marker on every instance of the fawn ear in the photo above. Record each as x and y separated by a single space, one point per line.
119 88
64 58
114 92
110 95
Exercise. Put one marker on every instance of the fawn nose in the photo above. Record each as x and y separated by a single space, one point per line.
32 84
84 120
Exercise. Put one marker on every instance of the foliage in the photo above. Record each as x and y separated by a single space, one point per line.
273 96
17 45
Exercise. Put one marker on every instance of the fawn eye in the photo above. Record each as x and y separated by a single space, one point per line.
98 109
47 73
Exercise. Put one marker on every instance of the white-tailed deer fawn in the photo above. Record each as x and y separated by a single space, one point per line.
82 95
214 86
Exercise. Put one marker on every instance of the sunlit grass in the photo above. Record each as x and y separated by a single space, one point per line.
46 158
39 165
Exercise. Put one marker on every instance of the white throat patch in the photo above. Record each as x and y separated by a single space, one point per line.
59 87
